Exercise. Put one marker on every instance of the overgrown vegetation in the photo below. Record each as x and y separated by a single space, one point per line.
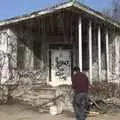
104 90
105 97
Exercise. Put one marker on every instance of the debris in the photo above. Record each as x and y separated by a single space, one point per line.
93 114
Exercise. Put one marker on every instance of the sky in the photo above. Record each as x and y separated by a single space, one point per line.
12 8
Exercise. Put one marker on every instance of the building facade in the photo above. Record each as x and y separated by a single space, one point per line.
45 45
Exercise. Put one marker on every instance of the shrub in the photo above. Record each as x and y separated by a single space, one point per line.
103 90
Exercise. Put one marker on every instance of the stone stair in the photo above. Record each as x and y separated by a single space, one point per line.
39 96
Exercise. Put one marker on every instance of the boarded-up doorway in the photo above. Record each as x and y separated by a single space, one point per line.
60 66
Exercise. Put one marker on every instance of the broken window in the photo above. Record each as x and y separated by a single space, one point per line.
24 55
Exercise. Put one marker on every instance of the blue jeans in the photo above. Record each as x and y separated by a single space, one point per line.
80 104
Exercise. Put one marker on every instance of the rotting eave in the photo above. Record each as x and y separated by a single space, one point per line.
96 14
59 7
36 14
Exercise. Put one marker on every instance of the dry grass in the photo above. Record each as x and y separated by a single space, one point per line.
104 90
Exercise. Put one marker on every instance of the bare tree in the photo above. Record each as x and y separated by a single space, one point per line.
114 10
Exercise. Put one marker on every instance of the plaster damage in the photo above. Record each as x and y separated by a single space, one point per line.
26 44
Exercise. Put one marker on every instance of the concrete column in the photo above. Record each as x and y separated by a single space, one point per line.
119 56
12 48
116 55
4 57
9 55
29 54
107 53
90 52
80 41
99 52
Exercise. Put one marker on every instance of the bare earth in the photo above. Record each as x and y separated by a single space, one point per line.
18 112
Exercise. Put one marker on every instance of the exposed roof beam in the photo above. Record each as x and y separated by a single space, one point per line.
35 14
59 7
96 14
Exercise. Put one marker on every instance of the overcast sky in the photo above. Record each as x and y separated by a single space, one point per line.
12 8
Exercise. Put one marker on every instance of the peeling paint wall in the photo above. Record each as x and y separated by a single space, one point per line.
8 55
33 53
28 75
29 46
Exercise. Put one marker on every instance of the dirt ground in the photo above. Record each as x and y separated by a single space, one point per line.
20 112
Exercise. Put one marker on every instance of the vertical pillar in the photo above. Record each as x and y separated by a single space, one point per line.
80 41
9 58
12 48
29 54
99 52
107 53
90 52
119 57
116 56
5 60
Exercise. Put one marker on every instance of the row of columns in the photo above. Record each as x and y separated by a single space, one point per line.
90 50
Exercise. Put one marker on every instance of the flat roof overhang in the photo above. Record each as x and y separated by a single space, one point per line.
57 8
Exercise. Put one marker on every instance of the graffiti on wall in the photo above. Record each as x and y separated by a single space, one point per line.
60 65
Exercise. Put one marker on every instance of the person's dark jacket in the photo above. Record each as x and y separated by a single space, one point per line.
80 83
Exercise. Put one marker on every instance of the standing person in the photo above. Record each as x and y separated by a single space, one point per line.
80 100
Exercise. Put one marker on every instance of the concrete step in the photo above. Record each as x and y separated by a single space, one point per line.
44 90
41 85
38 96
35 101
